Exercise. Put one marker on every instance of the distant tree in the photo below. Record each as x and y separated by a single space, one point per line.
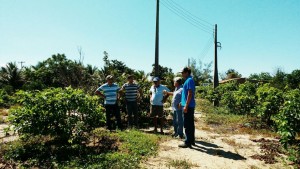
264 76
115 68
279 79
231 73
293 79
58 71
11 75
166 74
201 72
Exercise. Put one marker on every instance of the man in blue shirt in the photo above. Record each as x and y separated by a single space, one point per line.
156 100
109 91
188 104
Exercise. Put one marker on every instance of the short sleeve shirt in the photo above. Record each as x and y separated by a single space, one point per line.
189 84
131 91
110 92
157 94
176 98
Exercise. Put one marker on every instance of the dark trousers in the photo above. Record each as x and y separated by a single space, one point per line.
113 110
189 126
132 110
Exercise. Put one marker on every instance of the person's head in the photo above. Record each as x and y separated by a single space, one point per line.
156 81
130 78
186 72
177 81
109 79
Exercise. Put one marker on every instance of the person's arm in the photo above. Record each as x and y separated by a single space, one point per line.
97 92
168 93
188 100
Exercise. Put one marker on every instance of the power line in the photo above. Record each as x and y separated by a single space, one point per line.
187 19
185 16
194 17
206 48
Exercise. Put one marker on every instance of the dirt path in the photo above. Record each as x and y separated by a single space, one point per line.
213 151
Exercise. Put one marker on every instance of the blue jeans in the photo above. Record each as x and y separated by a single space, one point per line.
178 122
189 126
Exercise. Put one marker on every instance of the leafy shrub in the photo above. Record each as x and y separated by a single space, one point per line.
225 95
288 118
66 114
269 101
5 99
245 98
106 150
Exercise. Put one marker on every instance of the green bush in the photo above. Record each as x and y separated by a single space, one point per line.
245 98
5 99
66 114
288 118
269 102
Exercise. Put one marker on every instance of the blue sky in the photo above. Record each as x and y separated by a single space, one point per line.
256 35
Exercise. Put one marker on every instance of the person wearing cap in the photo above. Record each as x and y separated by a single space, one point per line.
109 91
132 91
156 100
188 104
177 115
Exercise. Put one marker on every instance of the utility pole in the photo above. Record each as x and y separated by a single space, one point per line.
21 64
156 68
216 77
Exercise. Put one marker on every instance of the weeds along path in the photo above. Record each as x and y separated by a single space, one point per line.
213 151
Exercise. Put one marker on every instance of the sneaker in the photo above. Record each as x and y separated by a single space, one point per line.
183 145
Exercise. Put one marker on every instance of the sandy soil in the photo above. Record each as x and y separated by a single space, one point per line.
212 151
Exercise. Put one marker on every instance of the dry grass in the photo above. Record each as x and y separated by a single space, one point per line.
1 119
181 164
235 144
220 121
4 112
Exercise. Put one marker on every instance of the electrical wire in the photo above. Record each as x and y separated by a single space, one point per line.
190 15
184 17
206 48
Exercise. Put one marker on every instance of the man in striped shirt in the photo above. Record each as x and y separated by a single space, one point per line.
109 91
131 94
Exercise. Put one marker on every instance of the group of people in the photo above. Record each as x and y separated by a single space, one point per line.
183 104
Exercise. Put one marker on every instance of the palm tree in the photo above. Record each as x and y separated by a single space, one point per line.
11 75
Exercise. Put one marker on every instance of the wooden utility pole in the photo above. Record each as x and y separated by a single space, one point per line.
21 64
156 65
216 76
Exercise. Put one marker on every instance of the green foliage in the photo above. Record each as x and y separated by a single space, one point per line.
245 99
230 74
5 99
66 114
226 95
12 76
201 72
263 76
293 79
279 80
106 150
288 118
269 101
58 71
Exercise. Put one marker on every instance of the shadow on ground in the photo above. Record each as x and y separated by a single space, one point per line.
213 149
